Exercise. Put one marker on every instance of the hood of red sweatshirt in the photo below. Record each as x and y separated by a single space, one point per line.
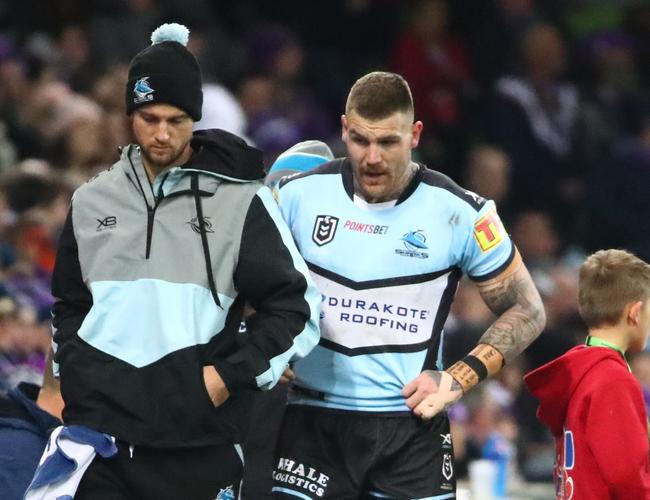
555 382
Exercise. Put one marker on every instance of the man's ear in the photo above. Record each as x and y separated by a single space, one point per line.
634 312
344 128
416 131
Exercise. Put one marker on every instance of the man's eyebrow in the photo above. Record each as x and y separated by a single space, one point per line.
357 133
391 136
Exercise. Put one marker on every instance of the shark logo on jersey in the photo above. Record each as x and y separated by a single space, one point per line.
143 92
324 229
414 241
226 493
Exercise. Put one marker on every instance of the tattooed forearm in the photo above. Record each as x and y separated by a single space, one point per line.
514 299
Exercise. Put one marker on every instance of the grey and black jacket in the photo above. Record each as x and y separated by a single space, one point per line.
150 282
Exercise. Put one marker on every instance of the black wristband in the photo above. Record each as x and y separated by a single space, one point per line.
477 365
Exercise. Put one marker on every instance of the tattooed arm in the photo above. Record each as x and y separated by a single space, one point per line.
512 296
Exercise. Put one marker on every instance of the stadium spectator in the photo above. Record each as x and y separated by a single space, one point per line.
15 89
618 202
386 240
118 29
494 32
220 107
533 119
288 110
158 308
74 63
554 271
27 416
611 94
436 65
22 344
221 110
488 173
36 208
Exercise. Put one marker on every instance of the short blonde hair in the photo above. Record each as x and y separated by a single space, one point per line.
610 280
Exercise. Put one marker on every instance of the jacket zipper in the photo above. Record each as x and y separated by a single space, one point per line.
151 212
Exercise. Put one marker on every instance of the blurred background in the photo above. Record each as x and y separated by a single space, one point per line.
543 106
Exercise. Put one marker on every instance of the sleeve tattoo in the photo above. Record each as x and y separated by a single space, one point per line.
512 296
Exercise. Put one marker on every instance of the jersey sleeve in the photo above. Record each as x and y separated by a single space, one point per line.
488 248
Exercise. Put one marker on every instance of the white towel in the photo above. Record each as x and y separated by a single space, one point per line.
68 453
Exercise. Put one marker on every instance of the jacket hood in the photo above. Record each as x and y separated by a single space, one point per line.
555 382
222 153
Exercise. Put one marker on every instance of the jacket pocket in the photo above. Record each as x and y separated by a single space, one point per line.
206 394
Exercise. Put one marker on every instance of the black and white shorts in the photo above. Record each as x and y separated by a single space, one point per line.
336 454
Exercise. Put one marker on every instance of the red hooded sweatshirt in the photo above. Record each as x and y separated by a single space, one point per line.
594 408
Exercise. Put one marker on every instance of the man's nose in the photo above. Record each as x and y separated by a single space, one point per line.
162 132
373 155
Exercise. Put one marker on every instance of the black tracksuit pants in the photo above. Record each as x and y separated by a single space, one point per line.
163 474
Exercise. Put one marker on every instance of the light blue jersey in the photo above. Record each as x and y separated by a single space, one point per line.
387 278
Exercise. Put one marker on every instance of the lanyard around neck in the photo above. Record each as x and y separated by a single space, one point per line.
596 342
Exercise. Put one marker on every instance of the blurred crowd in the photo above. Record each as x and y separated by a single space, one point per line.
543 106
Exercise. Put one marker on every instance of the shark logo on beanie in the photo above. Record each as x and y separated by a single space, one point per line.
166 73
142 90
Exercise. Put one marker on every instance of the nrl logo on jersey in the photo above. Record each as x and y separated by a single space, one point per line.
324 229
447 467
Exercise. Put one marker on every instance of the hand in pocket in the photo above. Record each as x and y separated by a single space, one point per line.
215 386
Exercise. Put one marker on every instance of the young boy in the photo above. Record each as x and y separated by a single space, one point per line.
588 397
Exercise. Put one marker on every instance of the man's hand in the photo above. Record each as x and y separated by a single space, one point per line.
420 387
431 392
287 376
215 386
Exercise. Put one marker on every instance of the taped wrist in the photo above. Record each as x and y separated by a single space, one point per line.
468 372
